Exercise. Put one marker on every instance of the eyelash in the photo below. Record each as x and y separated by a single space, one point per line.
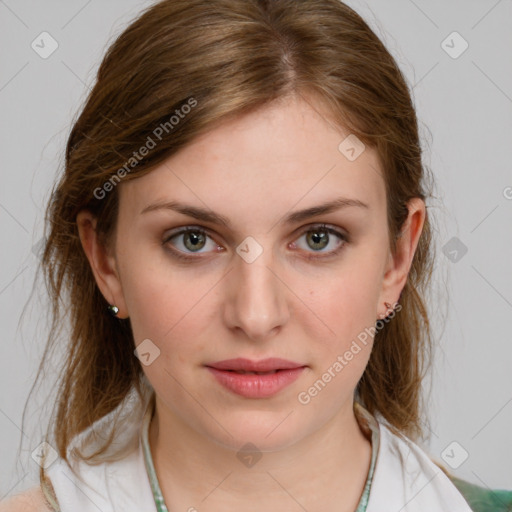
317 227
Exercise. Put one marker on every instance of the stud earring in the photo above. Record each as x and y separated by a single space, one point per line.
113 310
387 313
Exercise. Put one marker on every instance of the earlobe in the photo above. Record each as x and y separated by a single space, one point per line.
103 264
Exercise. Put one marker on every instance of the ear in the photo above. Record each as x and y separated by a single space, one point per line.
103 263
398 265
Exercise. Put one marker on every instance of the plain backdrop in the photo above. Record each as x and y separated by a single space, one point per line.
457 58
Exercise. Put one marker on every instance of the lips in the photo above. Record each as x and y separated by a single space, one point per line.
269 365
256 379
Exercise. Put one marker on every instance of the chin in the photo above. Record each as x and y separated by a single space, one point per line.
266 431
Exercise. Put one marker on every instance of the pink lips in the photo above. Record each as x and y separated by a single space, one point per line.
278 373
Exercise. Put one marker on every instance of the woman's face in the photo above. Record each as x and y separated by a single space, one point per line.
265 281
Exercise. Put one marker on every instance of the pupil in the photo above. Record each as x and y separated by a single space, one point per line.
194 240
318 238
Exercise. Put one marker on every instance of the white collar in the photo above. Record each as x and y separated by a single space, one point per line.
406 480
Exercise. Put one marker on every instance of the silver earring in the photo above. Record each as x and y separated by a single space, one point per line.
113 310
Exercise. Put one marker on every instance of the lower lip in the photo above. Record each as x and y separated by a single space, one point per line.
256 386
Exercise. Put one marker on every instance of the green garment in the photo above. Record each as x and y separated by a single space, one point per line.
481 499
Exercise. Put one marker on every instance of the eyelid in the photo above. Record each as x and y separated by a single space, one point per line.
321 225
188 228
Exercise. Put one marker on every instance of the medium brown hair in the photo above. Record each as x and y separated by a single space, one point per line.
227 58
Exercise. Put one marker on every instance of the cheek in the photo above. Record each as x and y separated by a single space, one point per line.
341 356
347 301
166 309
171 315
170 307
155 294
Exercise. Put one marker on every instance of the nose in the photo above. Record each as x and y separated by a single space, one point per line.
256 301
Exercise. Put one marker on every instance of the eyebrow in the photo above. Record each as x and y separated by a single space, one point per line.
206 215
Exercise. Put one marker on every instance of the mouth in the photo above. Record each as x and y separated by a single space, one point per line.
255 382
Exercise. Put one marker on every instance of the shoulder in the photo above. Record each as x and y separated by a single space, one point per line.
107 485
31 500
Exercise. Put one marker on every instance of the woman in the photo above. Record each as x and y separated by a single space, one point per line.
242 244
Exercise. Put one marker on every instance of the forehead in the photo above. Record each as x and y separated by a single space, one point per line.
276 158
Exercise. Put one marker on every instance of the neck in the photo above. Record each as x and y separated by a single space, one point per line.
329 467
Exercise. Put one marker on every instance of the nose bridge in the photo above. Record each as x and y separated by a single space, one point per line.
257 302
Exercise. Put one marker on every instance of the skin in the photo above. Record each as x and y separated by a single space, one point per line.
254 170
31 500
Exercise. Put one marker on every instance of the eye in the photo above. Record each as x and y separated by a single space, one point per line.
192 240
320 237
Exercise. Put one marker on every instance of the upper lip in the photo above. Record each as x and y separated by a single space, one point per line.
264 365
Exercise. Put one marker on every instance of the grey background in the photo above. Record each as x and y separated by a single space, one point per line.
465 109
